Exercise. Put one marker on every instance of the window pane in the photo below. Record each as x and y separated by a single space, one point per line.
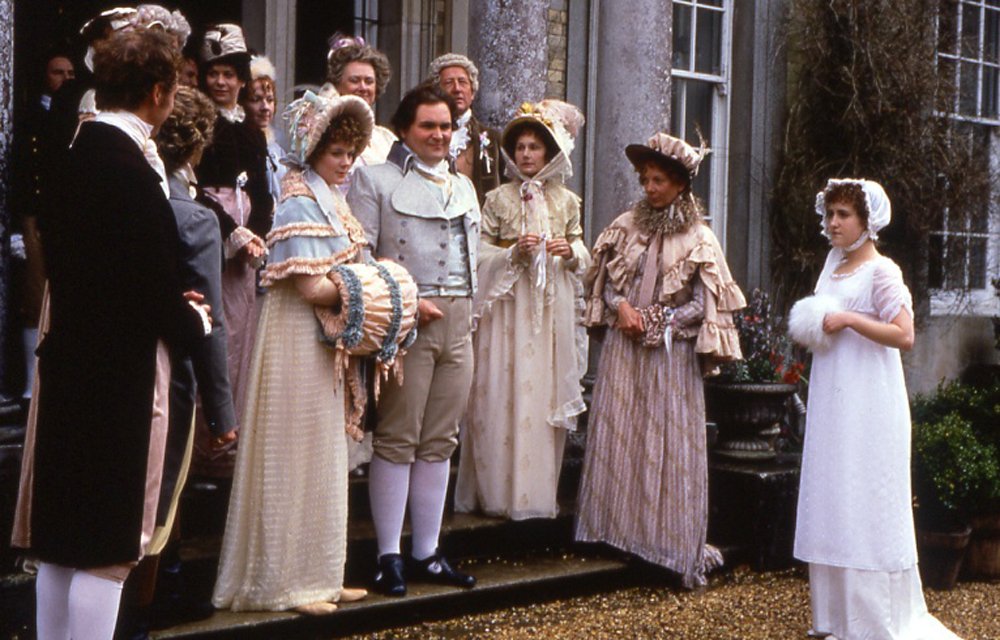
946 98
955 262
935 271
947 26
991 36
709 42
979 220
968 86
678 96
970 31
977 263
698 117
699 111
990 79
718 3
682 37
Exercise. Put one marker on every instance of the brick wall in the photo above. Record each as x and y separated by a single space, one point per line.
558 18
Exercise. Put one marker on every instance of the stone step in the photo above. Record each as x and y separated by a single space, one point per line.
526 578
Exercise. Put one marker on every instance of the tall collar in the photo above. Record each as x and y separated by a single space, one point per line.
404 158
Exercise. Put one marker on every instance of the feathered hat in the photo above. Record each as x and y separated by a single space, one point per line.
225 44
667 150
309 117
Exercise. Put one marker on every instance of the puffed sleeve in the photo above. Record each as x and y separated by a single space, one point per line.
889 294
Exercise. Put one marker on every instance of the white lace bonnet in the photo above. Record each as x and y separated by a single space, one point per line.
879 207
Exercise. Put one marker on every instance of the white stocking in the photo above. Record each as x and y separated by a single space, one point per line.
388 483
428 487
52 601
93 606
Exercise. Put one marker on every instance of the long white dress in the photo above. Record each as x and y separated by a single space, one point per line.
285 543
530 353
855 522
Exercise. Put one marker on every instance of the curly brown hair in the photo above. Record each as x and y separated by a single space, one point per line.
188 128
344 129
129 64
342 56
850 192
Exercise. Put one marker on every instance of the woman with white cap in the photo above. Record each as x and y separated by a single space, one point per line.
855 519
530 346
286 535
661 286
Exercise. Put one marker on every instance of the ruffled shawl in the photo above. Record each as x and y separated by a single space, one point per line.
618 254
295 251
553 210
498 272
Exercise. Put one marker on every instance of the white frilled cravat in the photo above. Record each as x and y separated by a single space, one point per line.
140 132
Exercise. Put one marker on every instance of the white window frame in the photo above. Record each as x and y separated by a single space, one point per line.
719 184
974 302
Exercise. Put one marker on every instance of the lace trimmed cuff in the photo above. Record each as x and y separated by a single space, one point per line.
239 238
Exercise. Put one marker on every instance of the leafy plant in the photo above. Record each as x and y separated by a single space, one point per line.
980 407
953 471
768 355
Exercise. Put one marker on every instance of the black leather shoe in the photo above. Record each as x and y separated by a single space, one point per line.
437 570
389 580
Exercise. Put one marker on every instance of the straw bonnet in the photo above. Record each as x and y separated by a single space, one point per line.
558 121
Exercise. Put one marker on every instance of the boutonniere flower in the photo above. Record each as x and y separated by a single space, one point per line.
484 143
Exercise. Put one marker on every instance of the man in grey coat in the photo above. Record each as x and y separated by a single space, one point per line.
417 211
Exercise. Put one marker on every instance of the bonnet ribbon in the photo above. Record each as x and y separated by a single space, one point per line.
651 269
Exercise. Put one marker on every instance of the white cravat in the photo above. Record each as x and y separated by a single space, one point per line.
140 133
460 137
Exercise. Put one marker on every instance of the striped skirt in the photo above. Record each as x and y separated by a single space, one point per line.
645 474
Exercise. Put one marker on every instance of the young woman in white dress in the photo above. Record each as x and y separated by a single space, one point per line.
855 522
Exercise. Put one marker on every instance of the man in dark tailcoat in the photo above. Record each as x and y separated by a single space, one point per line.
94 451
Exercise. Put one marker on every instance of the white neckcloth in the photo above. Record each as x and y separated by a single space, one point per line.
140 132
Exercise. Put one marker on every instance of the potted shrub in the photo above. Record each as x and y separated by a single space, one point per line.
748 401
953 473
980 407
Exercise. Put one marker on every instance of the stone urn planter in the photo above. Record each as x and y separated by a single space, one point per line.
941 555
748 415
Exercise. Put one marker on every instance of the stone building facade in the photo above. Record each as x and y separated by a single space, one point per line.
688 66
